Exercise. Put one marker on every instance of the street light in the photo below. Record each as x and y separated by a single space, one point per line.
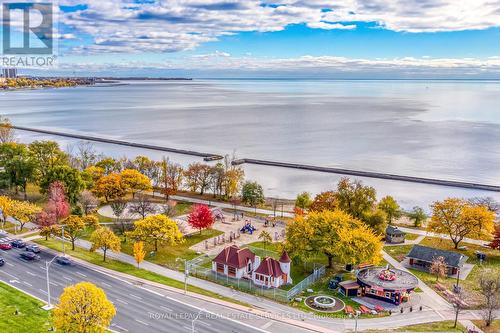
355 320
186 273
47 266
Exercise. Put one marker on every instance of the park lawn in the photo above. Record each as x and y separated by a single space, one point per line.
31 317
167 255
471 283
96 259
440 326
411 236
493 328
398 252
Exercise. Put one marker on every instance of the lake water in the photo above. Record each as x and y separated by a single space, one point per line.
438 129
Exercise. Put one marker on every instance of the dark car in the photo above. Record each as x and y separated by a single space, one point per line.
33 248
2 262
29 256
18 243
5 246
63 261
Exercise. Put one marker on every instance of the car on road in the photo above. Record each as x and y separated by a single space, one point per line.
5 246
18 243
29 256
33 248
61 260
3 232
2 261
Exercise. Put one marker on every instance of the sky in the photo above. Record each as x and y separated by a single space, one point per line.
287 38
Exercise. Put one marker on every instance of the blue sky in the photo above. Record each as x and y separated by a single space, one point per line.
346 38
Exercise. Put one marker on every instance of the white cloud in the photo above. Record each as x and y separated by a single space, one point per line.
175 25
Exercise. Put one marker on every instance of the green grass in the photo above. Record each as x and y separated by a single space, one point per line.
411 236
30 317
122 267
167 255
493 328
398 252
440 326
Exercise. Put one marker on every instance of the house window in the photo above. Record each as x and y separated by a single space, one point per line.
231 271
220 268
249 267
387 294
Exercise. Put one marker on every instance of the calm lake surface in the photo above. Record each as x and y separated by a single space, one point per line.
438 129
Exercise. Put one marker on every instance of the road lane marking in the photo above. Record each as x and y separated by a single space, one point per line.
121 301
135 296
166 309
207 324
119 327
12 276
267 325
9 264
43 291
32 274
67 278
105 284
140 321
41 267
81 274
28 284
54 284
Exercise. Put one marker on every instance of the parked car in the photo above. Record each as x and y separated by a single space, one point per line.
2 262
33 248
30 256
5 246
61 260
18 243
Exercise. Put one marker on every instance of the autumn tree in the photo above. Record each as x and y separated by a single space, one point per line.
6 209
459 219
265 238
495 243
66 175
157 229
104 239
17 167
143 206
83 308
438 267
108 165
417 215
303 200
172 175
391 208
91 221
87 201
252 194
6 130
73 227
324 201
94 172
355 198
118 207
200 217
335 234
46 155
24 212
488 202
489 284
109 187
57 203
139 252
233 181
134 181
376 220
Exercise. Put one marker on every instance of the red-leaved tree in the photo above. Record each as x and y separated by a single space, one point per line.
495 243
57 203
200 217
46 222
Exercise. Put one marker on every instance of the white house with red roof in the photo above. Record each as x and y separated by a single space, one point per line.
242 263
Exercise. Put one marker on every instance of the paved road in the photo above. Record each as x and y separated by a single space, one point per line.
139 308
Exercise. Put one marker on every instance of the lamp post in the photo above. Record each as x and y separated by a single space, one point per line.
194 320
356 315
62 237
186 273
47 266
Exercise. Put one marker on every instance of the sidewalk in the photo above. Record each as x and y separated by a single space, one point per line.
437 235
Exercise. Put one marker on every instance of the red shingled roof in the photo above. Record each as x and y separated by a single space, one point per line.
270 267
285 258
233 256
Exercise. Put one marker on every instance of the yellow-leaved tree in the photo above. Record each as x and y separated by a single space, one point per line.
73 227
135 181
139 252
83 308
335 234
157 229
6 205
459 219
104 239
24 212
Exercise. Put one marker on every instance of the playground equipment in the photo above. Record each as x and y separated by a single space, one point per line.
248 228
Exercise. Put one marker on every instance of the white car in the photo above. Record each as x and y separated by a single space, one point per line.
3 232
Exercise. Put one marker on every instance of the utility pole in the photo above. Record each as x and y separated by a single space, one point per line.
47 266
186 273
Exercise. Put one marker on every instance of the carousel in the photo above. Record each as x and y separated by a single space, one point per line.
387 284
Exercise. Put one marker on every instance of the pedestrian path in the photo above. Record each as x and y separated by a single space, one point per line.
426 233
